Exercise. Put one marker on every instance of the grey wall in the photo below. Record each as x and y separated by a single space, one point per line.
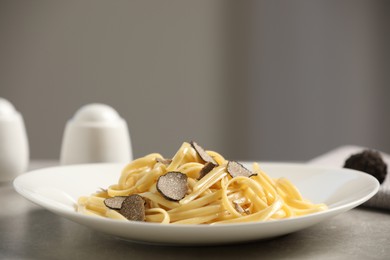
316 77
156 62
264 80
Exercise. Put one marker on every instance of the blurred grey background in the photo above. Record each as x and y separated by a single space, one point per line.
254 80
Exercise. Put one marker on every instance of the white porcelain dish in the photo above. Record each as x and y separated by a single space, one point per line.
58 188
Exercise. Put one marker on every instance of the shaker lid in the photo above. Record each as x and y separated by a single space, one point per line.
6 108
96 113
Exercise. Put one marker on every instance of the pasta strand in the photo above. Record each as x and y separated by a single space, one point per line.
216 198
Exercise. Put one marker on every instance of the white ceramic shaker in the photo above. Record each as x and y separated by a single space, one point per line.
14 150
96 134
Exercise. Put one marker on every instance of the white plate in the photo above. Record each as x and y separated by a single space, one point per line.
58 188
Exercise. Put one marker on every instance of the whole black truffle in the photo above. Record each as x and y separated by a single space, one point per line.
368 161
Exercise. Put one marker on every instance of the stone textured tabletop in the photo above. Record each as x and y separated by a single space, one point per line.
28 231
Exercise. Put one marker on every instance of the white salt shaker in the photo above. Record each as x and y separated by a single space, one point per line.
96 134
14 150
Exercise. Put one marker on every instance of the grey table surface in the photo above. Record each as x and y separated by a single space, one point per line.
28 231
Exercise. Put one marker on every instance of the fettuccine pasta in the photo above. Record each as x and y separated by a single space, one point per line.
218 197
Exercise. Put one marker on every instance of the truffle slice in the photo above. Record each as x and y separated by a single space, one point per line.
164 161
203 154
239 209
173 185
368 161
114 202
206 169
133 208
236 169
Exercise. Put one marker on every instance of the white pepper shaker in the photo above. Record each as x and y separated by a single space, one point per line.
14 150
96 134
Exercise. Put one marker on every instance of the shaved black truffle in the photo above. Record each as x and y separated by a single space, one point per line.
236 169
133 208
164 161
206 169
239 209
368 161
114 202
203 154
173 185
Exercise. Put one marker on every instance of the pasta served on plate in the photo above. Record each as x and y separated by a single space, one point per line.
196 187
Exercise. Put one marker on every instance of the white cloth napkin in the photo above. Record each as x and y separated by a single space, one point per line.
337 158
